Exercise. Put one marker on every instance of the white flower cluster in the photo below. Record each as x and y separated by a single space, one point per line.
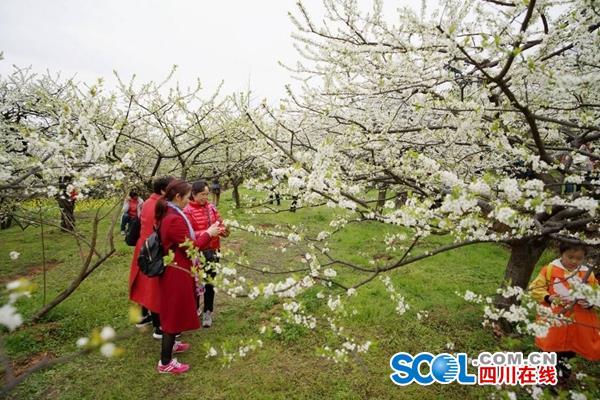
584 291
421 315
334 303
296 316
294 237
471 297
9 317
479 187
510 187
102 340
323 235
586 203
348 347
401 305
229 353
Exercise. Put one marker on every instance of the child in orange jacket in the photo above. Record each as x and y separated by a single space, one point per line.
580 333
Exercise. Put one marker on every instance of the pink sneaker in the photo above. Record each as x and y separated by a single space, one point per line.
180 347
174 367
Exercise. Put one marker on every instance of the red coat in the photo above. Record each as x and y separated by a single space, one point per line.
144 290
177 287
203 216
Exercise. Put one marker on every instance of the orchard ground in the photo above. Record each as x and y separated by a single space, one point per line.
287 366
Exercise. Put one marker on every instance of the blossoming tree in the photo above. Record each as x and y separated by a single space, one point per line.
481 115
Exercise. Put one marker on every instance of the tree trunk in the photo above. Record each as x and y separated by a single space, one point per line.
524 254
62 296
400 199
5 220
6 214
67 212
381 198
236 194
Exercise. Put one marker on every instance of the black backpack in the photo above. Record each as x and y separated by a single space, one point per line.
133 232
150 259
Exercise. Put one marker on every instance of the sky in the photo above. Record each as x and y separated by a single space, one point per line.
236 41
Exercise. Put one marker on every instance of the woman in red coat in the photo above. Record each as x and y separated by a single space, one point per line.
203 214
144 290
176 284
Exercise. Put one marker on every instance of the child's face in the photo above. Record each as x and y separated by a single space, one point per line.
572 258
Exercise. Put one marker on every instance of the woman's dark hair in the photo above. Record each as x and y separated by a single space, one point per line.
176 187
198 187
161 183
566 246
133 194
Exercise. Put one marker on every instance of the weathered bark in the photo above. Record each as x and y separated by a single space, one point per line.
6 214
524 254
5 220
66 204
400 199
67 212
236 194
381 198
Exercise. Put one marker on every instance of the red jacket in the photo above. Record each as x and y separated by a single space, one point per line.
177 287
144 290
203 216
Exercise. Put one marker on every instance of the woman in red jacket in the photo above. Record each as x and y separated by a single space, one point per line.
203 214
144 290
176 284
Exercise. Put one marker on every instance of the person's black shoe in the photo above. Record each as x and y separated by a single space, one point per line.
157 334
147 320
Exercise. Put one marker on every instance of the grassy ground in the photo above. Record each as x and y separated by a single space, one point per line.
287 366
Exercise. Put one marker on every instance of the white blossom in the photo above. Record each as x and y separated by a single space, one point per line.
9 317
212 352
107 333
108 349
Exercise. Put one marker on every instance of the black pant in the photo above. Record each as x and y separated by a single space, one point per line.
155 317
126 219
275 197
563 369
209 289
166 349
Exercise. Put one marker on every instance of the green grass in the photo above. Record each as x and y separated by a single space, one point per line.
287 367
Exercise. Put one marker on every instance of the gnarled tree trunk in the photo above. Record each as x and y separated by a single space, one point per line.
524 254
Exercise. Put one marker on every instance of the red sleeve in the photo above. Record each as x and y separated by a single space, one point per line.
190 214
177 231
202 240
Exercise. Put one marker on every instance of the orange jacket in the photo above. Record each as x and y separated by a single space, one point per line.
582 335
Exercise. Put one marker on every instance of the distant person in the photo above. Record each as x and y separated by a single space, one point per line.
202 215
552 287
176 284
215 189
275 197
142 289
132 209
